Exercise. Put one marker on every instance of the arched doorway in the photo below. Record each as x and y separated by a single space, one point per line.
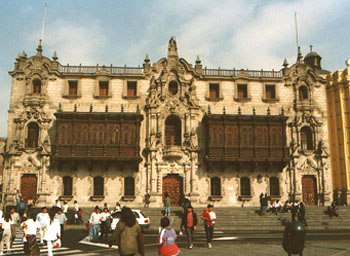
28 186
309 188
173 184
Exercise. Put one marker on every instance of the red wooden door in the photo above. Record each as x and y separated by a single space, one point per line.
173 185
309 190
28 186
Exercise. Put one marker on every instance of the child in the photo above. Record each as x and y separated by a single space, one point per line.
80 215
167 238
206 217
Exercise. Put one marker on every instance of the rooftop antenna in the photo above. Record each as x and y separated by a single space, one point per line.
296 29
300 56
42 27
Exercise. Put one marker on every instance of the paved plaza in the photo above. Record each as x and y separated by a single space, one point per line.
314 248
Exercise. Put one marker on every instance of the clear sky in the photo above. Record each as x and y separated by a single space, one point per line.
237 34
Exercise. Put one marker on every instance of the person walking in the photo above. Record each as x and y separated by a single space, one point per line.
31 226
147 200
167 238
21 207
117 207
80 216
53 231
127 235
104 227
189 225
186 203
105 205
62 218
76 212
57 204
209 218
16 221
302 213
65 208
264 203
95 221
6 224
166 204
42 218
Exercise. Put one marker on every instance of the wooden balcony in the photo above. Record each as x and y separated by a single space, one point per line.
97 136
244 138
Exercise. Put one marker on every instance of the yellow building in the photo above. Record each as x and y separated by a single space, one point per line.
338 100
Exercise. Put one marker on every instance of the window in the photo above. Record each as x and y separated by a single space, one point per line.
242 91
103 90
303 93
32 135
173 130
306 138
215 186
73 88
274 186
36 87
129 186
270 91
214 91
173 87
98 186
131 88
67 186
245 186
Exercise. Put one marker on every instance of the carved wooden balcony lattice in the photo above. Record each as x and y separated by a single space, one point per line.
97 136
246 138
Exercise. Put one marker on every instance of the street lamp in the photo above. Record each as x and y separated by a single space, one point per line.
292 149
320 153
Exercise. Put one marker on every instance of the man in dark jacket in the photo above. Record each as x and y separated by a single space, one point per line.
189 224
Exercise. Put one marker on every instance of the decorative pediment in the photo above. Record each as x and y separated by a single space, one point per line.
308 164
307 118
33 114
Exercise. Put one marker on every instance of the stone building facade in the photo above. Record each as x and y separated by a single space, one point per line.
338 98
106 134
2 150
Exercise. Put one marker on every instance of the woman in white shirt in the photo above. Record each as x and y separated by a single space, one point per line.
53 231
32 226
104 223
7 224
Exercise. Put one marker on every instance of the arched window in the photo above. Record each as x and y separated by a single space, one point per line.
32 135
245 186
274 186
215 186
303 93
173 130
98 186
36 87
67 186
173 88
129 186
306 138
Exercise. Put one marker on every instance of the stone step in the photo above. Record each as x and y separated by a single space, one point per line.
246 218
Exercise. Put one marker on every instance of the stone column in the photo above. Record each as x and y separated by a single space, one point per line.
194 178
153 175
